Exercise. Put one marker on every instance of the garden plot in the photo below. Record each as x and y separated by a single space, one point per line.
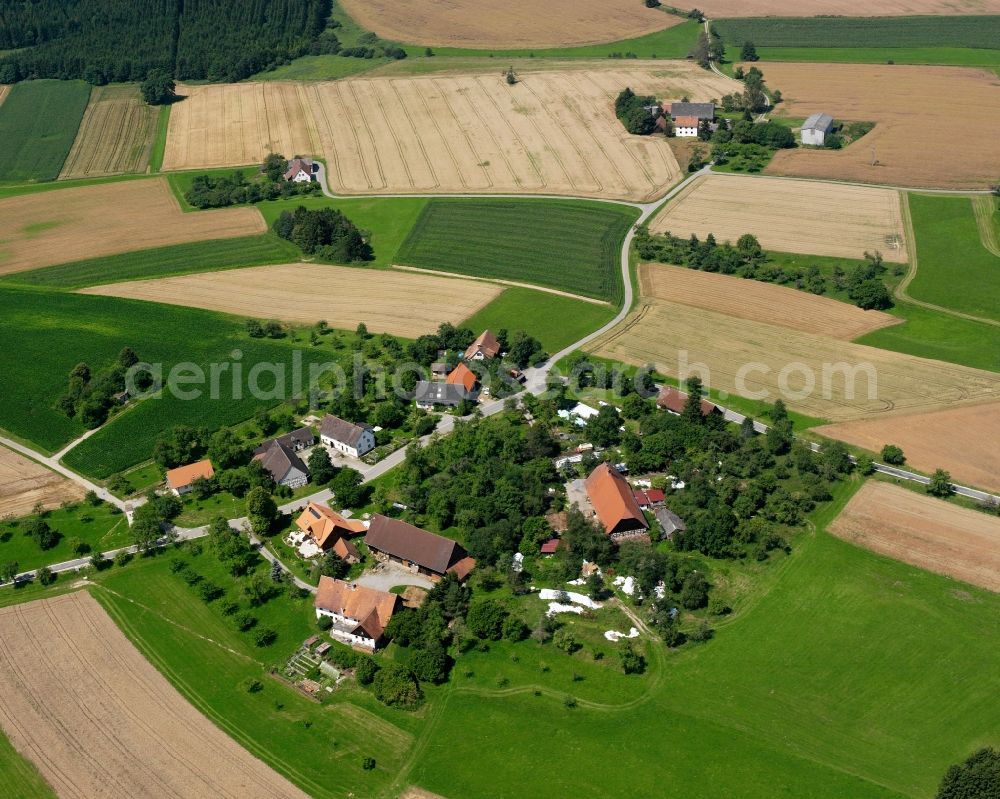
115 136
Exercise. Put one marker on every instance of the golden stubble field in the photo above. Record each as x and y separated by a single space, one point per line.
79 701
554 132
790 215
89 221
846 8
4 91
936 126
25 484
115 135
516 23
812 372
962 441
236 124
924 532
400 303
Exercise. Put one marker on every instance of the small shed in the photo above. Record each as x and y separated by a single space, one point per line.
816 128
323 648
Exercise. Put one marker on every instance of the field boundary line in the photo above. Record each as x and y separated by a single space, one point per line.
502 282
984 211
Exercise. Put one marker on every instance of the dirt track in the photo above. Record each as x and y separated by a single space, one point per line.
936 126
962 441
515 23
25 484
95 717
845 8
790 215
401 303
924 532
54 227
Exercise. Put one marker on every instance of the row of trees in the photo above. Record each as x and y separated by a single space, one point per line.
235 189
325 233
633 111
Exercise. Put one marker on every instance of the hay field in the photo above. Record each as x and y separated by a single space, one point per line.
115 136
962 441
790 215
554 132
936 126
89 221
25 484
846 8
924 532
760 302
765 361
97 719
238 124
517 23
401 303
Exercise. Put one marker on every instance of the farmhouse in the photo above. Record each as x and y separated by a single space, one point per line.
462 376
484 348
359 614
420 551
296 441
648 498
428 394
614 504
673 400
284 466
325 526
686 127
179 480
816 128
351 439
300 170
697 111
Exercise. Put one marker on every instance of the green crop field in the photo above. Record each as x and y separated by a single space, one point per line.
567 245
944 56
38 123
954 269
21 778
103 528
554 320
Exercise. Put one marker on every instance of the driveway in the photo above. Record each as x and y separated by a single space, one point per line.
389 575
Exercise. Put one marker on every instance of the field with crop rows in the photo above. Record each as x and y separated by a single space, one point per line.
800 216
39 120
573 247
25 484
115 136
846 8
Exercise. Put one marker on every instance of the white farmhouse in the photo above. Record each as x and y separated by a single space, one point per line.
359 614
816 128
346 437
300 170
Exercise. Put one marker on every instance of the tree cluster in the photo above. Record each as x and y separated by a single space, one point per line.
978 777
90 397
753 98
217 192
325 233
633 111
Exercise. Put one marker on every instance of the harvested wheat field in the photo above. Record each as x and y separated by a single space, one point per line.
936 126
554 132
238 124
25 484
115 136
846 8
760 302
924 532
403 304
89 221
95 717
812 373
962 441
800 216
517 23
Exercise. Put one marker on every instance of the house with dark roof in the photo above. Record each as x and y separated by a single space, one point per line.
300 170
669 521
615 505
428 394
697 111
359 614
351 439
484 348
296 441
673 400
418 550
284 466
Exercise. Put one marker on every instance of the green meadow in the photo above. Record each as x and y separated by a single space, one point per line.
21 778
38 123
940 56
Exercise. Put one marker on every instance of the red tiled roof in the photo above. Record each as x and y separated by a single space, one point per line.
183 476
463 376
326 525
673 399
487 344
372 608
549 547
686 122
612 499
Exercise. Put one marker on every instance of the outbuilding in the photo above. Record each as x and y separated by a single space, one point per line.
816 128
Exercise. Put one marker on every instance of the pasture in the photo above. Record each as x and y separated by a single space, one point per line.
756 301
800 216
916 110
954 268
813 373
70 675
39 120
518 23
962 441
115 136
924 532
404 304
569 246
49 228
21 777
847 8
238 124
25 484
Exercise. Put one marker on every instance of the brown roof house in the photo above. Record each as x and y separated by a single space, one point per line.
329 530
359 614
484 348
300 170
284 466
614 504
351 439
673 400
418 550
179 480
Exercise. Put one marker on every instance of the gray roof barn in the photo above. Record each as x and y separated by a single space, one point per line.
278 460
345 432
428 393
821 122
700 110
296 440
